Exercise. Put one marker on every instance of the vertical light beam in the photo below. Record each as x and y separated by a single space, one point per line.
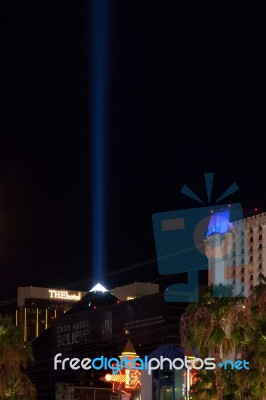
99 62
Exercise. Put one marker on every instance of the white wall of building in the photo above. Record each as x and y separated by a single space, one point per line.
246 254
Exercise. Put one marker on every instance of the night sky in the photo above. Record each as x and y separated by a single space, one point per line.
186 95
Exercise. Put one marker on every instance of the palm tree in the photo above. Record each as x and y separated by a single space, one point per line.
224 326
14 355
206 327
249 335
204 387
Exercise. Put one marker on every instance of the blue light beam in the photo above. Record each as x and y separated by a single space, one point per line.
99 62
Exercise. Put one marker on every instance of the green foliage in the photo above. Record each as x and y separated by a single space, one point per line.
14 355
221 326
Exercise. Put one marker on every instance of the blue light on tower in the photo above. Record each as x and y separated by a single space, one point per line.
99 62
219 223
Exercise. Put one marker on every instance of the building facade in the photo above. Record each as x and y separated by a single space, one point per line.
100 325
238 256
39 307
135 290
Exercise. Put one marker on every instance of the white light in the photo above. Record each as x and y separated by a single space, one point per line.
98 288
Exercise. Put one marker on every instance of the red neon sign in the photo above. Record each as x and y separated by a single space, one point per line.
126 378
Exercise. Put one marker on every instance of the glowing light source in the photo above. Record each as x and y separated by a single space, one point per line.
98 288
108 377
126 378
219 223
99 95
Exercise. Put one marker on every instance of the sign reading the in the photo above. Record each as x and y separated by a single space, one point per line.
64 295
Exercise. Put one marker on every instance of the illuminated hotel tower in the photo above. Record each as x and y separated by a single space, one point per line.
38 308
237 255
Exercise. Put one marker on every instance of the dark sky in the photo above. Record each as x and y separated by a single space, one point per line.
186 84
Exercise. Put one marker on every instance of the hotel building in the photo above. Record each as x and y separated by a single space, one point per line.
238 256
103 325
38 307
135 290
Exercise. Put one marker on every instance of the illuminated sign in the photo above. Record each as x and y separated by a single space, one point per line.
64 295
129 377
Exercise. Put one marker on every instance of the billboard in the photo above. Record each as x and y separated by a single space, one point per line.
142 320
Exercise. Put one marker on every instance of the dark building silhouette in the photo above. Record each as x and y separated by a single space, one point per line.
100 325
